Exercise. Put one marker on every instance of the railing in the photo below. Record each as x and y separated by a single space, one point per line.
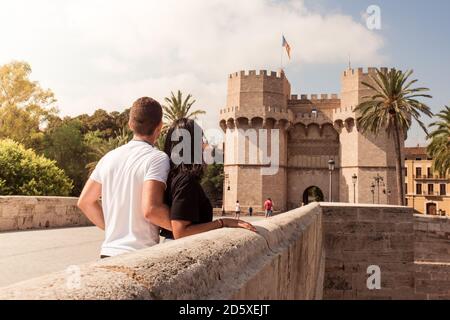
430 177
433 193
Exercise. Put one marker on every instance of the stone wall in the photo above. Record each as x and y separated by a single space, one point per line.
24 213
357 237
432 256
284 260
315 252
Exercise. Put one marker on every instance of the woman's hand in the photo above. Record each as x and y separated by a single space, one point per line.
234 223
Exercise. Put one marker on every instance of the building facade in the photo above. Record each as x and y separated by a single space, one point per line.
427 191
262 118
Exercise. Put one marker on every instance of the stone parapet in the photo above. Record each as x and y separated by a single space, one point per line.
24 213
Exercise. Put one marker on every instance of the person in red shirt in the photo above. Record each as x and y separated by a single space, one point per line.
268 207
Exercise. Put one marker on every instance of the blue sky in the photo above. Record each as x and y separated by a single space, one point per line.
106 53
416 36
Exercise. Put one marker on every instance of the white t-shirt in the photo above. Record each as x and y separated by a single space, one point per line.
122 173
238 207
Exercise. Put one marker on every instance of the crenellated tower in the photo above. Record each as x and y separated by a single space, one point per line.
304 132
256 104
362 154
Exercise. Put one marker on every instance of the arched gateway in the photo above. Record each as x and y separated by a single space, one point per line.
313 194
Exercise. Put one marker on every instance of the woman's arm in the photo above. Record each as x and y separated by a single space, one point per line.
182 228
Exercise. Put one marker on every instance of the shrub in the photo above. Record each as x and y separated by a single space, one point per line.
23 172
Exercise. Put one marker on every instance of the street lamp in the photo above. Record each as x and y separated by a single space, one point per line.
378 179
331 167
354 180
372 189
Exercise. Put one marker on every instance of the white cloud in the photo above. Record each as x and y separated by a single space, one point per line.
106 53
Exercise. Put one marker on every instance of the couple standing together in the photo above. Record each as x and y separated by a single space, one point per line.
144 193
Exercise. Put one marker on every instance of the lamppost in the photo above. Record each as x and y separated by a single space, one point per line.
227 182
372 189
387 192
378 179
354 180
331 166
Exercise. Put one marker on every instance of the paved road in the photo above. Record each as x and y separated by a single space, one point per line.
28 254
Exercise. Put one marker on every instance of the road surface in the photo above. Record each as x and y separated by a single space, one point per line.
29 254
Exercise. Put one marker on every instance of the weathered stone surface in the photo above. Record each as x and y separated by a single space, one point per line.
25 213
308 253
284 260
370 237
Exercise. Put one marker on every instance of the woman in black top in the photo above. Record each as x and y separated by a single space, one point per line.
191 211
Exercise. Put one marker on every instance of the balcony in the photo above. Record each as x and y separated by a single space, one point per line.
431 177
432 194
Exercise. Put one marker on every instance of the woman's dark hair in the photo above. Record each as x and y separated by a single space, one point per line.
179 162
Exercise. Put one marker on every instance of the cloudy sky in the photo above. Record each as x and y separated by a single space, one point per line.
105 53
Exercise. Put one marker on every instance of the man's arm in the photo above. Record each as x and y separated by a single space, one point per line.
88 203
153 206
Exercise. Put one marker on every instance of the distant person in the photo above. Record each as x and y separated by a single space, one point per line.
250 211
131 181
268 207
191 211
223 211
237 210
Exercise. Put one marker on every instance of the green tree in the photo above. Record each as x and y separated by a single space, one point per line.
212 182
439 148
65 144
177 108
391 107
100 147
24 104
23 172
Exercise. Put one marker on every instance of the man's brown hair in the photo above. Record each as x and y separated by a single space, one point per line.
145 116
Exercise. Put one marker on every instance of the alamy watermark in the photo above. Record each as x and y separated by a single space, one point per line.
374 279
259 147
373 17
73 278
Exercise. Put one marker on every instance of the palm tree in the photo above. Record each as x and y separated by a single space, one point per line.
391 107
439 148
177 108
100 149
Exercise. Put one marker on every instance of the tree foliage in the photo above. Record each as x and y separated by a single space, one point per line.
23 172
439 148
24 104
391 107
212 182
178 108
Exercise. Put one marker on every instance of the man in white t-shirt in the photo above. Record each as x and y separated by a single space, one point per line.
131 181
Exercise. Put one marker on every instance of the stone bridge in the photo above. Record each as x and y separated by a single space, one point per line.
321 251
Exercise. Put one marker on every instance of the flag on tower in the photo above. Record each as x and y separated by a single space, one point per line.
287 46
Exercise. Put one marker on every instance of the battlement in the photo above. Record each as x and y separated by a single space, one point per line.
266 109
258 73
363 72
314 97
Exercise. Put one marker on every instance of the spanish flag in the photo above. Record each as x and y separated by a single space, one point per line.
287 46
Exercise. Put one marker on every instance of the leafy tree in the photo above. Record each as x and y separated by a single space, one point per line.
23 172
391 107
212 182
65 144
100 147
178 108
24 105
439 148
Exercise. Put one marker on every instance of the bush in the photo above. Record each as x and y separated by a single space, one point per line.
23 172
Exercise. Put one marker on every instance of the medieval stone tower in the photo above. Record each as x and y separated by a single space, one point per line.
267 127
